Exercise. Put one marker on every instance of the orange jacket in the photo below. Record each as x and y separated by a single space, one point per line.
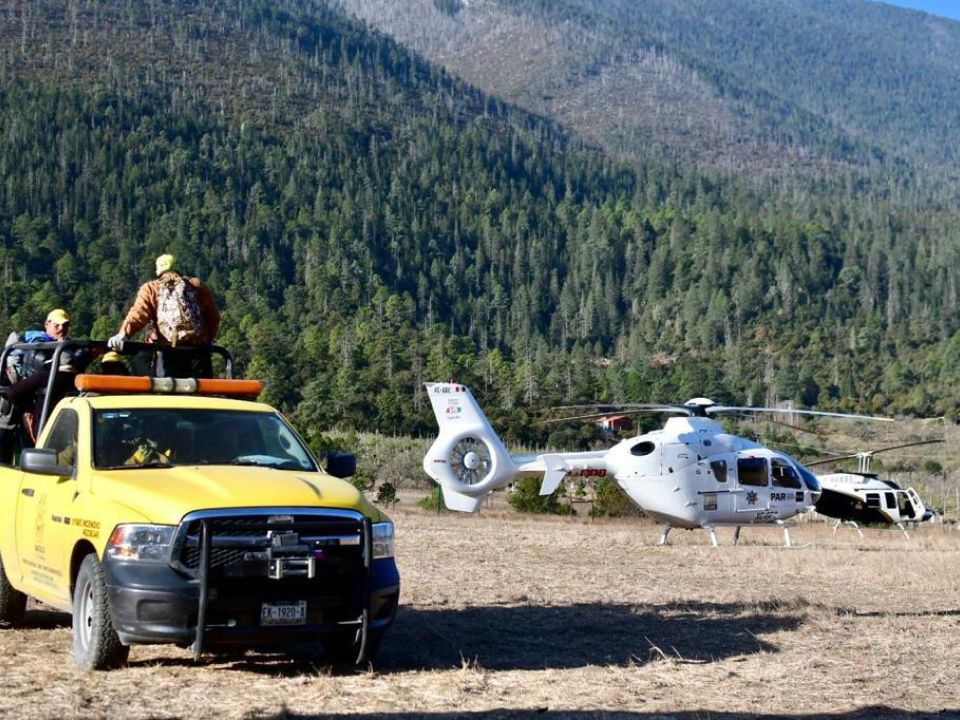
144 309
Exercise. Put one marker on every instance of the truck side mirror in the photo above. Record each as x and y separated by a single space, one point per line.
341 464
43 461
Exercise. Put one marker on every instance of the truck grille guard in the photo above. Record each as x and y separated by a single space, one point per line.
284 537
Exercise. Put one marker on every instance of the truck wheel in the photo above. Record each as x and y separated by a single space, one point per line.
96 645
12 602
342 650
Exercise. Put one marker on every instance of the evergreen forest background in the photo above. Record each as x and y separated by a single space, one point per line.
370 222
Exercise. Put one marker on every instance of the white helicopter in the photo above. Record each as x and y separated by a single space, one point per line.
690 474
863 497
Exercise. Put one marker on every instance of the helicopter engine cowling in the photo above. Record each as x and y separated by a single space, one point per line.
467 460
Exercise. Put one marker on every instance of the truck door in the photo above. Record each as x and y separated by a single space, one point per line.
43 515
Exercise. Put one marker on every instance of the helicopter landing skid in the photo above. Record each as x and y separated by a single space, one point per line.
852 524
787 542
668 528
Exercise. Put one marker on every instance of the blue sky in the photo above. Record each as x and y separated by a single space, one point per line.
946 8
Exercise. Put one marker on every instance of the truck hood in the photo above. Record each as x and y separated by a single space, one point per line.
165 495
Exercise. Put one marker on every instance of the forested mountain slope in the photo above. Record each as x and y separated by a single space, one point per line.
370 223
809 85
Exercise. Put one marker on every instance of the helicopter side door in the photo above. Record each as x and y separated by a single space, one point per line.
906 507
919 509
751 484
786 488
676 457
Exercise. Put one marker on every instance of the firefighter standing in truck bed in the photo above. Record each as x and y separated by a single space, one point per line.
184 312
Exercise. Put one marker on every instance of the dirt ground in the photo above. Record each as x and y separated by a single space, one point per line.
507 616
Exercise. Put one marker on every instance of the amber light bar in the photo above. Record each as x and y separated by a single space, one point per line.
180 386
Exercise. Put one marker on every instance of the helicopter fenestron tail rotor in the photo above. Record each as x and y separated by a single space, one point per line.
471 460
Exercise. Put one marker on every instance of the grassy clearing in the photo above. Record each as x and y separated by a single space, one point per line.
509 616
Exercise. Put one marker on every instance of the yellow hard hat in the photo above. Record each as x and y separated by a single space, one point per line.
166 263
111 357
58 316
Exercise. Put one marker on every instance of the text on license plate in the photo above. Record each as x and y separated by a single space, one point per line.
292 613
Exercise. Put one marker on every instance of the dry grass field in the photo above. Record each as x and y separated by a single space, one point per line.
509 616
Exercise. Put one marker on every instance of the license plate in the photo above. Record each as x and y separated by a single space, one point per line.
293 613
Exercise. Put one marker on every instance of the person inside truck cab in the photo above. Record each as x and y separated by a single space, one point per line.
123 438
147 440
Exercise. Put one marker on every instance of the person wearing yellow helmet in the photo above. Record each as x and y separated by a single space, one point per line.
112 364
26 395
184 313
57 324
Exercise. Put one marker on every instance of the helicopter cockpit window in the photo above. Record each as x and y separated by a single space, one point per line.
719 468
784 475
906 507
809 479
643 448
752 471
891 500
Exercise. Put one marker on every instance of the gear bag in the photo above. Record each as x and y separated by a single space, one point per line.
179 318
20 364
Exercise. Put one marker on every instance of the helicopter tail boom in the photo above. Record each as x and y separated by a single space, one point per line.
468 459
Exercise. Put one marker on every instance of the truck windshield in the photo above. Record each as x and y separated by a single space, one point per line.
161 437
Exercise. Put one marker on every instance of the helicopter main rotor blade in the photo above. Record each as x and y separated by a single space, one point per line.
718 409
798 428
627 409
639 407
837 458
591 416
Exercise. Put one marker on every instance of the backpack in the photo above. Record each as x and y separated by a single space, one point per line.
21 363
178 311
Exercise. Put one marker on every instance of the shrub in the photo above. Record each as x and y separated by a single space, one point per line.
386 494
526 498
611 501
433 502
361 480
932 467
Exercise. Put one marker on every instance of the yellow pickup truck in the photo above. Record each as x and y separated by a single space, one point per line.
160 510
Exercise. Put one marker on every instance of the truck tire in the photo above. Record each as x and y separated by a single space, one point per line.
342 649
12 602
96 645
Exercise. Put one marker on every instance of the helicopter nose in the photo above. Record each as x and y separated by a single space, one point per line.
813 485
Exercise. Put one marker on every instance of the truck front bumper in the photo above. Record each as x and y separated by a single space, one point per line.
155 603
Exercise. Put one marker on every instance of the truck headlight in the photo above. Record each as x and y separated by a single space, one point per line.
382 540
148 543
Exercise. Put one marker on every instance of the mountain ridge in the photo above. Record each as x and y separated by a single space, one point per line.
759 94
